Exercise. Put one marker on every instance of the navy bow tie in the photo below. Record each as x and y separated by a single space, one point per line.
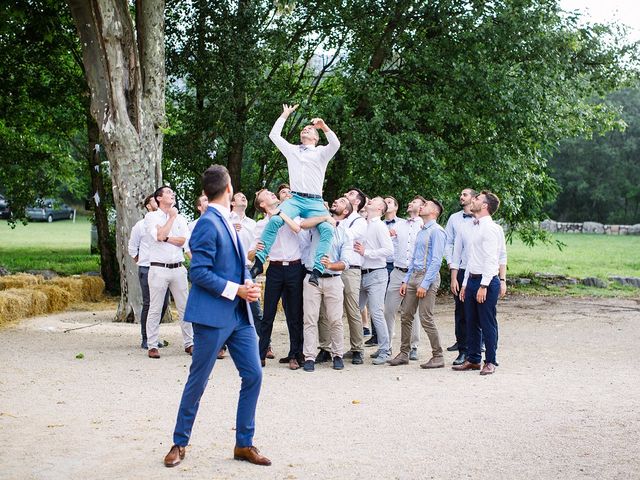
389 222
467 215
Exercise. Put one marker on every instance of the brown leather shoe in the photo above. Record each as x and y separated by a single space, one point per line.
270 354
433 363
400 359
251 455
189 350
174 457
293 364
153 353
221 353
488 368
467 365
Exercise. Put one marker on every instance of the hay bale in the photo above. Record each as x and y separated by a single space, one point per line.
39 301
73 285
93 287
19 280
14 305
58 298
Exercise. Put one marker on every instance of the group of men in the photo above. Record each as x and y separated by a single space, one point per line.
324 261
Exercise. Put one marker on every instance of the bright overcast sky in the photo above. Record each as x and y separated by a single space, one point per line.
604 11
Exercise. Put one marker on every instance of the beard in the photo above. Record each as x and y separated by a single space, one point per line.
334 211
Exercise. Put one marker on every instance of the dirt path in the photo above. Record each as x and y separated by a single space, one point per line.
564 403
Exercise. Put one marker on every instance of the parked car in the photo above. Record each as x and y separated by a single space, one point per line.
5 211
49 210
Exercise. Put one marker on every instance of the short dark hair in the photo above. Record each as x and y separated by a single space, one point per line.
493 202
158 193
421 198
197 202
362 196
147 200
282 186
472 192
395 201
437 204
214 181
256 202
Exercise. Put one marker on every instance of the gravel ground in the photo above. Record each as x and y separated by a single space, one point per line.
564 403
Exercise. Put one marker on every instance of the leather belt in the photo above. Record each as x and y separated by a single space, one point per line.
475 275
306 195
166 265
369 270
326 275
403 270
354 267
285 264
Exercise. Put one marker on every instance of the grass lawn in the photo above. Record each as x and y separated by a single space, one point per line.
61 246
583 255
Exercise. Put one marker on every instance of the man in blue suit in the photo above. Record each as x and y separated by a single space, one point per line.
218 308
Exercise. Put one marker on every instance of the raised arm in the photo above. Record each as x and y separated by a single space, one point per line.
333 144
276 131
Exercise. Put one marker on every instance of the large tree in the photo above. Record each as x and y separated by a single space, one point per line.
123 57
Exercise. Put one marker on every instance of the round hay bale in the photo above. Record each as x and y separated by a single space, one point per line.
19 280
14 305
92 287
58 298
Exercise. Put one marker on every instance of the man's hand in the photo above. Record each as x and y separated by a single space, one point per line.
481 296
326 262
259 246
392 232
319 124
358 248
403 289
461 296
330 220
249 291
503 288
455 286
288 109
421 292
173 212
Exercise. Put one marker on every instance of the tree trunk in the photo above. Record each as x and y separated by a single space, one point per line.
108 267
125 73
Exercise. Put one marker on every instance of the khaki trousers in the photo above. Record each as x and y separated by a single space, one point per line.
329 295
392 301
161 279
425 307
351 282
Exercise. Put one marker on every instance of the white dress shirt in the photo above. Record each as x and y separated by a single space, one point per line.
406 234
307 164
454 224
486 250
246 233
165 252
286 248
377 244
357 225
139 244
393 225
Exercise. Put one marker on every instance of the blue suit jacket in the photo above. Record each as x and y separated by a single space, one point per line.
214 261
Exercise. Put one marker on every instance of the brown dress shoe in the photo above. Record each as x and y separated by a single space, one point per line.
251 455
153 353
221 353
189 350
400 359
467 365
270 354
488 369
433 363
293 364
174 457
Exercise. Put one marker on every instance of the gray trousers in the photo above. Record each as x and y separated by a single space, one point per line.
372 289
392 302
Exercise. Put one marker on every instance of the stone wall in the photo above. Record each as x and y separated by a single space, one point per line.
589 227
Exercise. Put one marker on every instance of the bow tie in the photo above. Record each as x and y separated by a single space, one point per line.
467 215
389 222
476 222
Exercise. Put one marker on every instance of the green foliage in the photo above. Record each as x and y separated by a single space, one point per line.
41 103
599 178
